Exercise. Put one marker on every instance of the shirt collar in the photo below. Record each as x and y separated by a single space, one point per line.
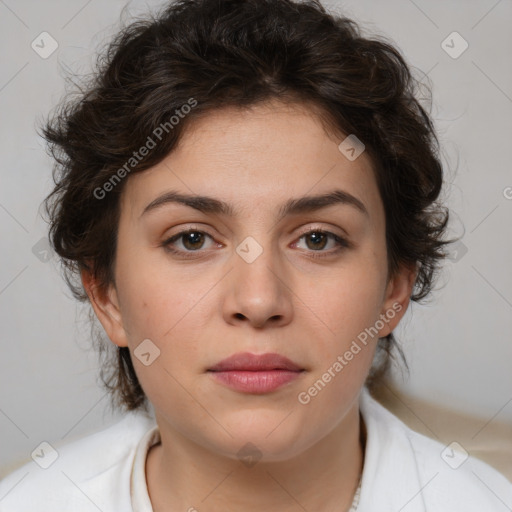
390 478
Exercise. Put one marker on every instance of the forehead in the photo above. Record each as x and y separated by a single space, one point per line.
260 156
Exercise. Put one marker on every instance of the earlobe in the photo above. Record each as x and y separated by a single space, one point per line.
105 304
398 296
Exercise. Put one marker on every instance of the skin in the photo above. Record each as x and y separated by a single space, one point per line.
202 310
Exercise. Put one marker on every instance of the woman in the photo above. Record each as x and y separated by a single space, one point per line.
247 197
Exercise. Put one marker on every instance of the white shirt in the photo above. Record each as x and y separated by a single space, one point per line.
403 471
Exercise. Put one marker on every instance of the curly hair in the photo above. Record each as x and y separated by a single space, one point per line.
224 53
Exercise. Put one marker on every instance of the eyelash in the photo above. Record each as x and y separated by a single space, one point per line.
342 243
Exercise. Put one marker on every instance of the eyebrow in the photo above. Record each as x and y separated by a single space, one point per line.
305 204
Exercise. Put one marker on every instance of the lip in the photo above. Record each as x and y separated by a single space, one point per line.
255 362
253 373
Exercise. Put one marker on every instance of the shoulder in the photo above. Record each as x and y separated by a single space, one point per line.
457 478
86 474
428 474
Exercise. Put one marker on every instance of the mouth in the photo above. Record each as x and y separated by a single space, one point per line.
257 374
245 361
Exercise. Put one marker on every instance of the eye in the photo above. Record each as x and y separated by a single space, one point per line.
318 239
191 240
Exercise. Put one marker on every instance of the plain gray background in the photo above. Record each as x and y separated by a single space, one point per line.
459 345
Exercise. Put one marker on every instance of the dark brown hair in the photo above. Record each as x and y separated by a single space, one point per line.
217 53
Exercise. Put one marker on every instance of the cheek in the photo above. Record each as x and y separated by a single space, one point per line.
348 302
345 340
170 316
168 307
153 310
152 298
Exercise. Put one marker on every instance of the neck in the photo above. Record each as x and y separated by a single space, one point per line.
183 475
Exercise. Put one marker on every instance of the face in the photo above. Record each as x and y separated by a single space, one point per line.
204 283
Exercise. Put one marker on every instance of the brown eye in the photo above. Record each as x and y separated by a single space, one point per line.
186 242
192 240
317 240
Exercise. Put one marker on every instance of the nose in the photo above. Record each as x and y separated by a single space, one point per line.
258 292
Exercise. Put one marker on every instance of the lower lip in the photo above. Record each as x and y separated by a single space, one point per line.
255 381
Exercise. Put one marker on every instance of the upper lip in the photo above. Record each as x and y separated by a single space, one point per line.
255 362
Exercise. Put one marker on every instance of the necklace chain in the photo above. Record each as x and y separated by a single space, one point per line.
355 501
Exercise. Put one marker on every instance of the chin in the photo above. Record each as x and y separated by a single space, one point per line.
266 441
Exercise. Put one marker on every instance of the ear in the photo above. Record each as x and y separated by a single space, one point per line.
106 306
397 298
